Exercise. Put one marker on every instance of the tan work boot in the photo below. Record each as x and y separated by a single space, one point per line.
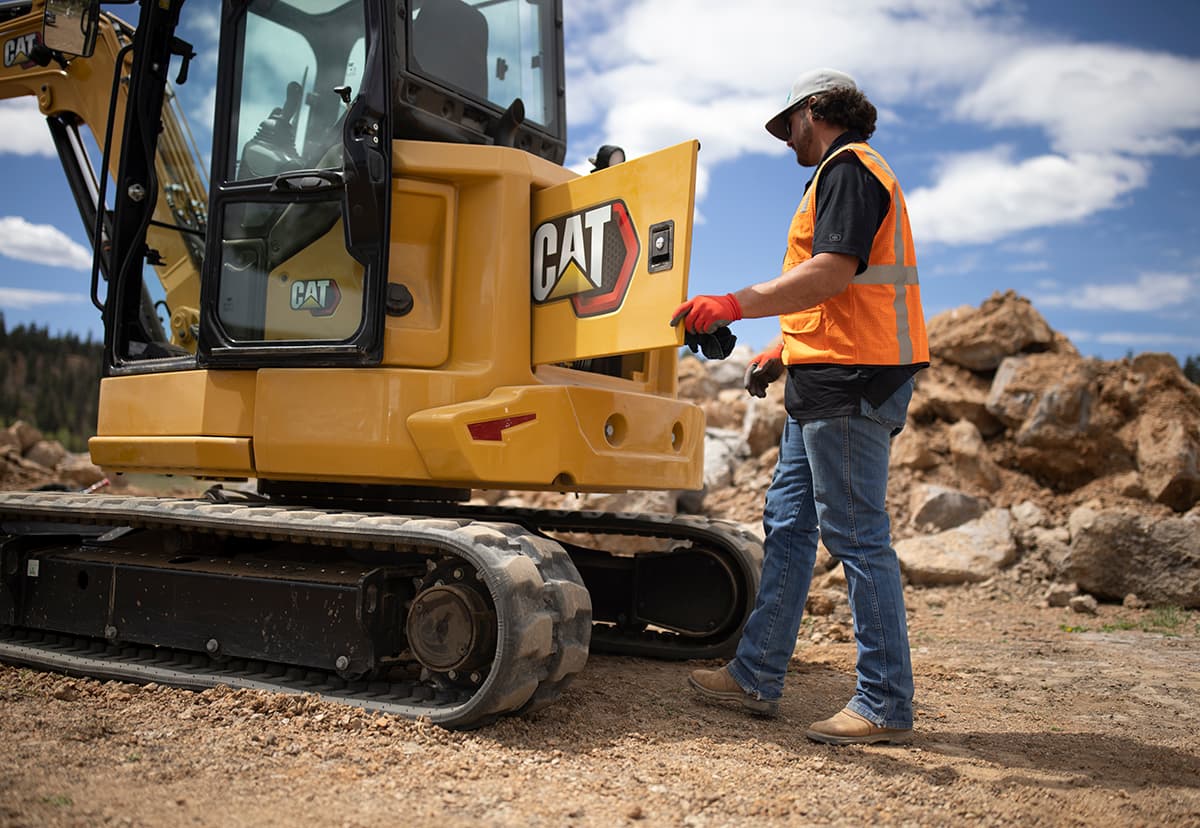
848 728
719 685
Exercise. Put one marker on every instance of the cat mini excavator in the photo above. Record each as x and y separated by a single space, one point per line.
393 293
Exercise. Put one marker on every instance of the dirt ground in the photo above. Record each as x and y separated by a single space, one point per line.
1025 716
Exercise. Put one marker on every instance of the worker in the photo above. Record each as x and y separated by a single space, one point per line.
852 338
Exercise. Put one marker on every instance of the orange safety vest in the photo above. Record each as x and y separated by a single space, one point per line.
877 319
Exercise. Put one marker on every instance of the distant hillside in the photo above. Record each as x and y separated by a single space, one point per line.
50 381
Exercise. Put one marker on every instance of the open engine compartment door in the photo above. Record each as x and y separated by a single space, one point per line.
610 256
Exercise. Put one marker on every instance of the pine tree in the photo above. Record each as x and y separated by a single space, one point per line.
50 381
1191 368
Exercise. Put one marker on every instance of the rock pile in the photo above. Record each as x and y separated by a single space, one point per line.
1091 468
28 461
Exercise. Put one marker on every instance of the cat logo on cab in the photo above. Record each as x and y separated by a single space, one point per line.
587 257
320 297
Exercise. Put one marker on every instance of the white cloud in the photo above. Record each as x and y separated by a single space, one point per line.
202 26
647 73
23 129
984 196
1093 98
701 50
203 23
1151 292
203 112
41 244
23 299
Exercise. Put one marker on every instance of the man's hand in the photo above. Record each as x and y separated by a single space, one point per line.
764 369
704 314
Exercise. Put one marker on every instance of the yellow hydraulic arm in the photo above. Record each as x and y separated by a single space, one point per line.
78 90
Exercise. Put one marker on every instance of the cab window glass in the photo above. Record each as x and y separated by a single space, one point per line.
271 117
296 59
495 50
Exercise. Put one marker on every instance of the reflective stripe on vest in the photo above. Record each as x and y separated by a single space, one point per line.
877 319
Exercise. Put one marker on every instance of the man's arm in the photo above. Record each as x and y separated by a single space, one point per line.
806 285
850 209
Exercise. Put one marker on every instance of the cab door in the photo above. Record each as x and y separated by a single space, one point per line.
296 260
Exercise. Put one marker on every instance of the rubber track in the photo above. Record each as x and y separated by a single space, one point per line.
740 549
543 610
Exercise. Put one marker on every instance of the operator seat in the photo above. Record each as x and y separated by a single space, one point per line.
449 42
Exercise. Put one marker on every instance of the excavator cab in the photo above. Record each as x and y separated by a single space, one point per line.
310 97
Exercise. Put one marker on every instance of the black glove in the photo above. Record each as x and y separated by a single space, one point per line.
763 370
716 345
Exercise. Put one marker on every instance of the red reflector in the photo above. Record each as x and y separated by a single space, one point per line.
493 429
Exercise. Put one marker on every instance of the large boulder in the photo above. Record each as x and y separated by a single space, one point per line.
694 382
1114 553
1168 458
947 392
78 472
723 450
980 338
937 508
1167 432
18 473
48 453
972 462
911 450
973 552
763 426
1063 431
26 435
731 371
728 410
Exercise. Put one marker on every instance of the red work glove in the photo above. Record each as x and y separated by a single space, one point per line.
763 370
704 314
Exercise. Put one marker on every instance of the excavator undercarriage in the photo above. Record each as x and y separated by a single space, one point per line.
460 615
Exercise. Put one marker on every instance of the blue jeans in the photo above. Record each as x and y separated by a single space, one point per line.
831 480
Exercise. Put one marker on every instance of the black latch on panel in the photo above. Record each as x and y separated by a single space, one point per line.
662 246
399 299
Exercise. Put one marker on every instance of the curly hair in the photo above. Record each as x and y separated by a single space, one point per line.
847 108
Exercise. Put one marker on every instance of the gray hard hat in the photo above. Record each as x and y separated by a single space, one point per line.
808 84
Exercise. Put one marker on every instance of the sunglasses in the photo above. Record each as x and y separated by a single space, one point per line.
787 119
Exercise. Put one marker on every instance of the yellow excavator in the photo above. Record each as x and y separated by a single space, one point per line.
388 293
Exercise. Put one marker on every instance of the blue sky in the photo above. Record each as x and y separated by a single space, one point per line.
1052 148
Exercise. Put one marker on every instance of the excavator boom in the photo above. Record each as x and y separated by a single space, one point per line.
92 93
